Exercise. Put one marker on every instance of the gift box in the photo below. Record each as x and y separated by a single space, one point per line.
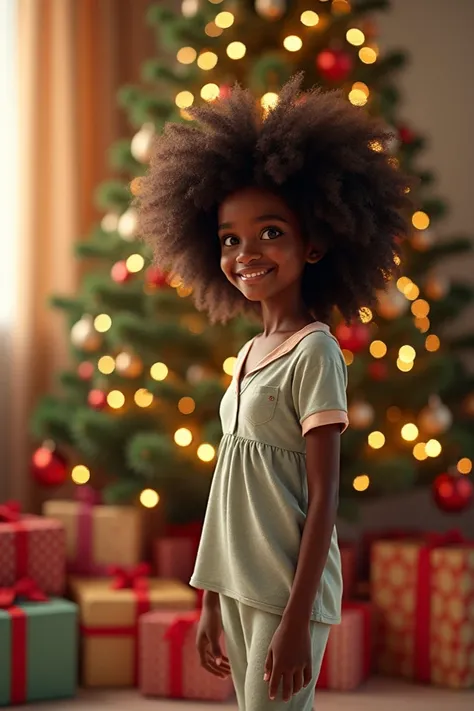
349 568
97 536
175 553
423 595
109 613
38 645
369 538
32 546
169 663
347 661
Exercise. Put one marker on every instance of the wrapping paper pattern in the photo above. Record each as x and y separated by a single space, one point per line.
109 625
444 652
175 558
161 675
34 547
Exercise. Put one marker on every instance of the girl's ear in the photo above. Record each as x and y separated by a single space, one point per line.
315 255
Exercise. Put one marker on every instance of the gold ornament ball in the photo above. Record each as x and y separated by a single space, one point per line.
391 303
422 240
436 287
361 415
127 225
128 365
142 142
84 336
436 418
270 9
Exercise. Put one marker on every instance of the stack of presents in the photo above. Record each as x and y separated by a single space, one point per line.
79 607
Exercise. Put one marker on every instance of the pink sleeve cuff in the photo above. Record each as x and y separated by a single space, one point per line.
329 417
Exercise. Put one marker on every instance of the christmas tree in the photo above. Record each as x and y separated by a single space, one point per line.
139 408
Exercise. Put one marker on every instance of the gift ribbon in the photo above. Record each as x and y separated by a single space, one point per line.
422 661
176 635
10 513
87 498
25 588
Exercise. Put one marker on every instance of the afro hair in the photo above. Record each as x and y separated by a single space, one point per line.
327 159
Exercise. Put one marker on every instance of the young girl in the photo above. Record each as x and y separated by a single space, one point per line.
287 215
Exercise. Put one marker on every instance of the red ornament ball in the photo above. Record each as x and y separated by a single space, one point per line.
48 466
156 277
353 338
225 90
406 134
453 493
334 65
378 371
97 399
120 273
85 370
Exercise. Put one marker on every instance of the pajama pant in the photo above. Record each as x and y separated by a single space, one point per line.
248 633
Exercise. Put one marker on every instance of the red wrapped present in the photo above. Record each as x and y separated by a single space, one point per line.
423 595
33 547
349 568
175 553
169 663
347 661
380 534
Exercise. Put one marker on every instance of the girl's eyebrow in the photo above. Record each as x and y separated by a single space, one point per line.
260 218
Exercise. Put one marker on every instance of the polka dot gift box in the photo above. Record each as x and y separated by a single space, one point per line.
423 598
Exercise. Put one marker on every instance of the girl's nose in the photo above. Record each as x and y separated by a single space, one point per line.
247 256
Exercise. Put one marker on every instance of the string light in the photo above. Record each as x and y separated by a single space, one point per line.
433 448
348 356
210 92
224 20
409 432
206 452
365 314
367 55
184 99
212 30
207 61
432 343
420 220
420 308
115 399
309 18
186 405
106 365
183 437
376 440
464 466
149 498
355 37
135 263
293 43
419 451
378 349
360 86
186 55
184 291
404 367
361 482
269 100
80 474
236 50
374 145
143 397
407 354
229 365
396 260
422 324
159 371
411 291
357 97
102 323
402 283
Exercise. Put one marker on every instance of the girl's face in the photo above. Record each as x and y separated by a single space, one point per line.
263 252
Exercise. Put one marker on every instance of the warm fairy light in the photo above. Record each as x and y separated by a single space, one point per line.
159 371
348 356
183 437
215 2
360 86
419 451
293 43
355 37
212 30
102 323
135 263
340 7
422 324
106 365
184 113
80 474
403 366
224 20
229 365
143 397
378 349
186 55
309 18
409 432
367 55
361 482
402 283
206 452
433 448
407 354
396 260
184 99
374 145
464 466
395 163
269 100
420 308
176 281
115 399
186 405
365 314
376 440
207 61
420 220
411 291
236 50
432 343
210 92
149 498
184 291
357 97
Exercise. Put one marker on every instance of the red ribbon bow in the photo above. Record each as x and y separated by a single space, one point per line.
135 578
26 588
10 512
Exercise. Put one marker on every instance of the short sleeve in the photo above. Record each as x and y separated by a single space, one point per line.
319 383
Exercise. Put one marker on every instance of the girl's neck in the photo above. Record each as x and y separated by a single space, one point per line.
284 319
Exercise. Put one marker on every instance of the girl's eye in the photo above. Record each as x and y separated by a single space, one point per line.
230 241
271 232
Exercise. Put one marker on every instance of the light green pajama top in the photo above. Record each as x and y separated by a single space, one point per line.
259 494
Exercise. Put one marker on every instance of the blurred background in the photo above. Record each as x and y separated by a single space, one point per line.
110 379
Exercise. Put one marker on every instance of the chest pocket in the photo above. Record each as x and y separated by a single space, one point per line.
261 404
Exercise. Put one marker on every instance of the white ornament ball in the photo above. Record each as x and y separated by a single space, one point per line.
361 415
128 365
142 142
195 374
436 418
109 222
189 8
84 336
270 9
392 303
127 225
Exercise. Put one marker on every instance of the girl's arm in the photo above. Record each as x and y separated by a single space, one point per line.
322 465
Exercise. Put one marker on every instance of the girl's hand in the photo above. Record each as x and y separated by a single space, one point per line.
289 659
207 642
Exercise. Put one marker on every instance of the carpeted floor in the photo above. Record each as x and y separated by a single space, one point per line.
378 695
